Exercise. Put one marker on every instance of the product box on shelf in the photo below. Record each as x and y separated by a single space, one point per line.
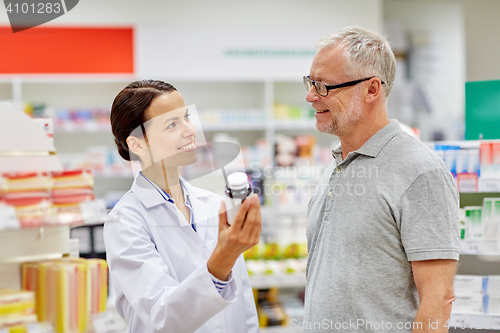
17 309
87 120
474 164
468 284
68 291
16 302
477 294
16 323
47 198
269 308
491 285
473 222
492 304
468 304
481 222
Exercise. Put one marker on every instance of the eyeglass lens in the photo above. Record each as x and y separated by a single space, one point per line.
320 87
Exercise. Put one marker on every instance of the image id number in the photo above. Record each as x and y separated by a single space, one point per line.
38 8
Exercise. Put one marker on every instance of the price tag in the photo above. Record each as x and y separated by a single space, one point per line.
93 211
473 248
8 218
496 323
467 182
459 321
106 322
489 185
470 247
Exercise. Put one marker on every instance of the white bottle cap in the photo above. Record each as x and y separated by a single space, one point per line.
237 181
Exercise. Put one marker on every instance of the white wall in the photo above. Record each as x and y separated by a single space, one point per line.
189 36
224 13
482 35
440 68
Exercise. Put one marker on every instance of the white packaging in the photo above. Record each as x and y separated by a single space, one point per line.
473 161
463 225
492 304
487 218
468 284
468 304
462 161
473 222
492 285
450 158
496 219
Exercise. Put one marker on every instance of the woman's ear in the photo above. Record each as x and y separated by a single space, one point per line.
137 146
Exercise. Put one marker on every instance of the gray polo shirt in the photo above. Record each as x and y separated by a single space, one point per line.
391 202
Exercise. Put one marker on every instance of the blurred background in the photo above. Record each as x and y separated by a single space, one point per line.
241 65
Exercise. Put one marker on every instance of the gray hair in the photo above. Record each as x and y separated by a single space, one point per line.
366 53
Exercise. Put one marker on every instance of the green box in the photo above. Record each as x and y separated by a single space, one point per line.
482 110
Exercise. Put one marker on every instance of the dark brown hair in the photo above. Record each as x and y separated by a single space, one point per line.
128 109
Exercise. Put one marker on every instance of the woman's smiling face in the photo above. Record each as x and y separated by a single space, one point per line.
170 134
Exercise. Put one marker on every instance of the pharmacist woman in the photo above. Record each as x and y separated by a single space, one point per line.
175 263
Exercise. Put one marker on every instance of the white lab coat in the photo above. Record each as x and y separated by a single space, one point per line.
158 266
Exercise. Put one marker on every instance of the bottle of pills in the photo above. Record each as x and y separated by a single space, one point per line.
237 189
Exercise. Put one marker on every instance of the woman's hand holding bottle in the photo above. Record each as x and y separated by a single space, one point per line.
237 238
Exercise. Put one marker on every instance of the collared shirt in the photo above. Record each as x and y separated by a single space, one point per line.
388 203
219 284
169 198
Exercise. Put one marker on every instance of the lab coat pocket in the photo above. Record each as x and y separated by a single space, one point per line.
237 311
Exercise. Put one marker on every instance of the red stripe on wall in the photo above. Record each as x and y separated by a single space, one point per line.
66 50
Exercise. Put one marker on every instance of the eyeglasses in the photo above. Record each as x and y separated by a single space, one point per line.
323 89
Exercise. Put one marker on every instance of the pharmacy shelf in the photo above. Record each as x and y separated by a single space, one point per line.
32 244
277 124
476 199
113 176
481 247
296 280
294 124
81 130
475 321
234 126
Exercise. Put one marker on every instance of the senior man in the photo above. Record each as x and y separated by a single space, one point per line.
383 223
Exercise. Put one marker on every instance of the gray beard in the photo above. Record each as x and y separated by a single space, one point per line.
343 123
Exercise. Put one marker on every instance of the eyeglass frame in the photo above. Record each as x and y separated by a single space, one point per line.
333 86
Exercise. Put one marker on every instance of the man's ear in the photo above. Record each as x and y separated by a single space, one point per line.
137 146
375 90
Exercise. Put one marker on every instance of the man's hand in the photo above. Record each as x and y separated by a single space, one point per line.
237 238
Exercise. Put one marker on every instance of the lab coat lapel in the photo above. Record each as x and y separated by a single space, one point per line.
200 216
148 195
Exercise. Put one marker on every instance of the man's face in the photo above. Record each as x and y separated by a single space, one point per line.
342 108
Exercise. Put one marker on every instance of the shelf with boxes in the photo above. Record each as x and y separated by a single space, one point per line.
277 274
477 302
475 164
480 223
474 321
38 205
477 298
255 112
